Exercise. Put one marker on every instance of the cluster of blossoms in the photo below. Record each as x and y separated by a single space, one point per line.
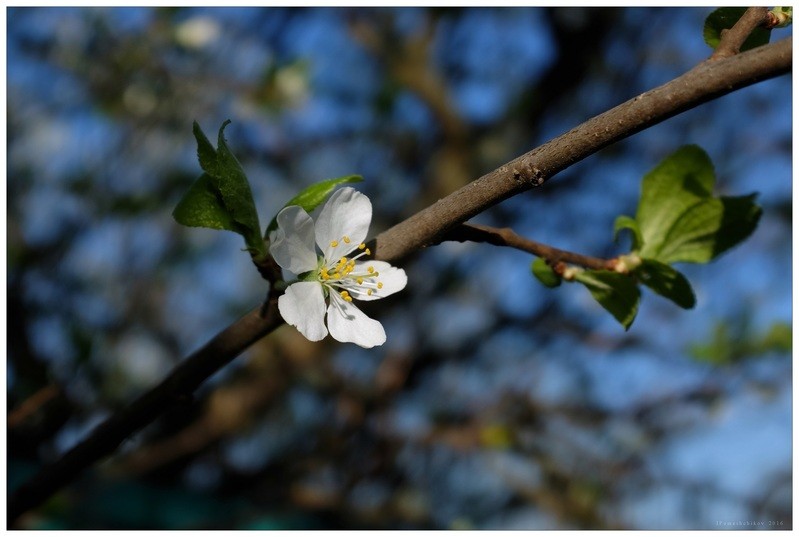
329 282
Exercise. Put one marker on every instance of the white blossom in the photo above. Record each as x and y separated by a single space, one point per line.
329 282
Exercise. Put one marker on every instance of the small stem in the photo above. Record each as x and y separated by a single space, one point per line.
267 268
732 39
507 237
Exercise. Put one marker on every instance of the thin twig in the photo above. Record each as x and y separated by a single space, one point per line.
731 39
507 237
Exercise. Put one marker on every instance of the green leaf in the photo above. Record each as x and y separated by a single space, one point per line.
725 18
234 187
313 196
779 338
733 341
201 206
221 198
681 180
681 220
667 282
545 274
723 348
710 228
627 222
206 153
615 292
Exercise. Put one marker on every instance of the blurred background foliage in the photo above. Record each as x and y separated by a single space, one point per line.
495 403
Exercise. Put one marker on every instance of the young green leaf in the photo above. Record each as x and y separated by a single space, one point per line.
202 207
667 282
221 198
617 293
710 228
677 183
678 220
725 18
544 273
206 154
313 196
626 222
234 188
681 220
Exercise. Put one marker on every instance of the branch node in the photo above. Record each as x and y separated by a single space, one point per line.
268 268
529 175
731 39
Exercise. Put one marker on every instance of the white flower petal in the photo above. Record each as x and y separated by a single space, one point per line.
393 279
293 245
347 213
348 324
303 306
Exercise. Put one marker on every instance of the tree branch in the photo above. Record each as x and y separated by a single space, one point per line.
176 388
731 40
707 81
32 405
507 237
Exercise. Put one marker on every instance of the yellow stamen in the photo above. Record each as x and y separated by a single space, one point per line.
346 239
369 292
361 246
379 285
360 281
333 243
370 270
346 296
368 251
